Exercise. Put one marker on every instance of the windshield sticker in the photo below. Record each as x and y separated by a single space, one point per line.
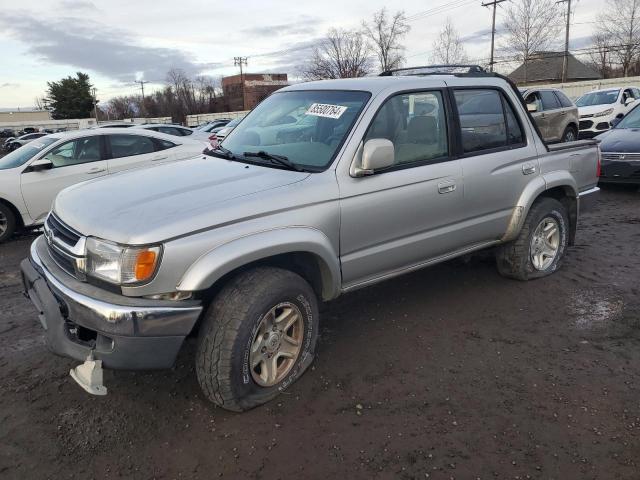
325 110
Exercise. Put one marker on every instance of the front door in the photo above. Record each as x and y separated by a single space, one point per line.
406 214
72 162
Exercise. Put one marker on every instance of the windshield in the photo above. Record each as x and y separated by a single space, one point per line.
631 119
598 98
26 152
307 127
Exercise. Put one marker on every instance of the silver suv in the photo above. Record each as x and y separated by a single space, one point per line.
239 246
554 113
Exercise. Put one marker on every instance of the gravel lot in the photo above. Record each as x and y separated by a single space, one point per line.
451 372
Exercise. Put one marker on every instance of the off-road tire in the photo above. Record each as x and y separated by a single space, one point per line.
514 258
7 214
567 131
229 327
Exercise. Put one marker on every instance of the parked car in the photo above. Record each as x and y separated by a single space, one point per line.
12 144
620 148
600 107
31 176
554 113
218 135
115 125
176 130
214 124
241 246
6 132
26 130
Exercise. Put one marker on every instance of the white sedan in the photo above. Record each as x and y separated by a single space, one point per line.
32 175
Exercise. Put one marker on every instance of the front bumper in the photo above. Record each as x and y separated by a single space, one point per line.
593 126
79 319
616 171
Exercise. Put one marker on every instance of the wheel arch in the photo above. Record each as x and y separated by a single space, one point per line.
15 211
305 251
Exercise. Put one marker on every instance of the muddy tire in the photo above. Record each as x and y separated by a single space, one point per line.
570 134
539 249
258 337
7 223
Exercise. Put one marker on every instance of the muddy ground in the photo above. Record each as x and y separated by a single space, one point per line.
451 372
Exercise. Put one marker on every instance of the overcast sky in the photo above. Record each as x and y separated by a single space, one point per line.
118 41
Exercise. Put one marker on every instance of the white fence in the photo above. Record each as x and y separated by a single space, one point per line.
577 89
75 124
195 120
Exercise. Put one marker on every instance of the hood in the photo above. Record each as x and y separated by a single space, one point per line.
153 204
593 109
622 140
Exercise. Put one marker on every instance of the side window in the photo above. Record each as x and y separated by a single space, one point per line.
482 120
636 92
415 123
75 152
534 99
163 144
626 94
185 132
514 130
549 100
564 100
130 145
170 131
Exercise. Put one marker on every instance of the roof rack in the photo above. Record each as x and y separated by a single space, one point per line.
454 69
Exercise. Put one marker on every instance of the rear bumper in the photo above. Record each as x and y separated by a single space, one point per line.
588 199
620 172
124 335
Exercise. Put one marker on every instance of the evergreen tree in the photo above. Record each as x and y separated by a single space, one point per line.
70 97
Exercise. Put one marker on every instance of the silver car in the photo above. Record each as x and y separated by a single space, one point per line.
554 113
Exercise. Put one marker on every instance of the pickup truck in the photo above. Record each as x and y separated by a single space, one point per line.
237 247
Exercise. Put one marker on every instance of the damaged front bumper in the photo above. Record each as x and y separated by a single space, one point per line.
83 321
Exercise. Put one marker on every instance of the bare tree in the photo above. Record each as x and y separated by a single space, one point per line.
448 48
620 21
600 54
385 33
342 54
531 26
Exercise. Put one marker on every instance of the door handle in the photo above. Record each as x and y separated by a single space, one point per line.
563 113
159 158
528 169
446 187
96 170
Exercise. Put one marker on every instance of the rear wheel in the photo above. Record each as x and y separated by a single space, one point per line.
539 249
7 222
257 338
570 134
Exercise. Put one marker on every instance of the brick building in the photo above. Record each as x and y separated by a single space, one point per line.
257 86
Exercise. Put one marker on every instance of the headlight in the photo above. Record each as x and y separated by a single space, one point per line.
606 112
120 264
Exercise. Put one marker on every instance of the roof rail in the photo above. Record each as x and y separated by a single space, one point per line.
436 70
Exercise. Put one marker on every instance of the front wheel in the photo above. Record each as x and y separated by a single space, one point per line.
7 223
258 337
539 249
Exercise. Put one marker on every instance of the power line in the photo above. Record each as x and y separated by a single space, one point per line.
494 4
142 82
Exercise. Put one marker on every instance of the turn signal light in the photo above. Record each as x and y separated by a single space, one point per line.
145 265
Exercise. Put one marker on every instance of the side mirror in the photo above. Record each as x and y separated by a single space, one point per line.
532 107
40 165
377 153
629 101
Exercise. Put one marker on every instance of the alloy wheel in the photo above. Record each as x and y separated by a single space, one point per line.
545 243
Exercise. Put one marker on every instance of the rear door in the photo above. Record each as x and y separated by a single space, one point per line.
72 162
128 151
498 160
554 115
538 115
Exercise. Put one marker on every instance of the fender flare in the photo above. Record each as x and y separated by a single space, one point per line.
229 256
532 191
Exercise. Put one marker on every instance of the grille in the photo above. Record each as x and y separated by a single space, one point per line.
586 116
624 157
585 124
61 244
603 126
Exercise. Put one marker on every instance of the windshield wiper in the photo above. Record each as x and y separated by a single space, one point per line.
221 152
279 159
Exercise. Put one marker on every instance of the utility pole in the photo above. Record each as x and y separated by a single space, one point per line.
142 82
238 62
95 104
565 60
494 4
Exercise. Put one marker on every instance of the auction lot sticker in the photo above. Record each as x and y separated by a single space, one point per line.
326 110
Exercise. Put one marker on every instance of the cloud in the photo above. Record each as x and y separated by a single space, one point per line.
77 5
9 85
304 25
85 44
